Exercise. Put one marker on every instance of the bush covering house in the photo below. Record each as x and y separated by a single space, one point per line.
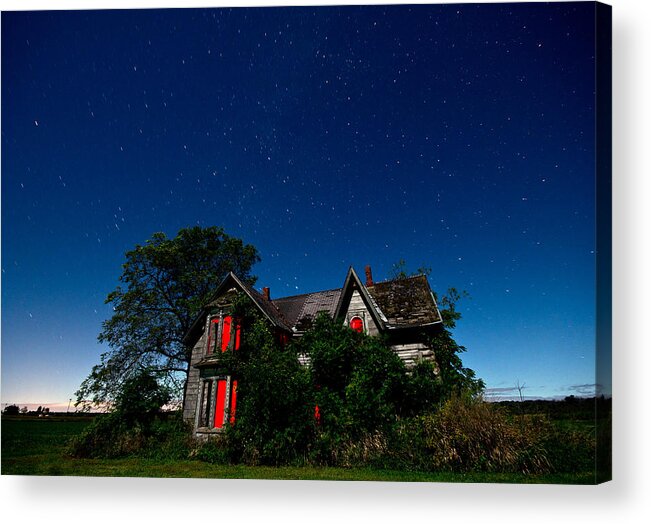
403 310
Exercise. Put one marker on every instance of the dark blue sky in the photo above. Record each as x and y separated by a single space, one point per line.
458 137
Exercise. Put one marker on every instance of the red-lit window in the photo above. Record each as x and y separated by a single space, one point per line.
226 332
357 324
283 338
218 402
223 333
238 333
233 402
225 398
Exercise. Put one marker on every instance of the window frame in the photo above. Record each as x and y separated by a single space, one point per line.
207 405
362 320
215 333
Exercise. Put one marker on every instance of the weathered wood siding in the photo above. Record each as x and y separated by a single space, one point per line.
192 391
357 308
409 353
412 353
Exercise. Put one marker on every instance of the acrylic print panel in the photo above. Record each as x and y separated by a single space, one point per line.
384 229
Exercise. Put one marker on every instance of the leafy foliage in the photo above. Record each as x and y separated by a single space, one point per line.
361 382
164 284
340 408
274 420
132 426
453 377
424 389
12 409
399 270
355 388
447 304
140 398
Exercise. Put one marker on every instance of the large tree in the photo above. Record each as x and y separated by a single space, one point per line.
163 286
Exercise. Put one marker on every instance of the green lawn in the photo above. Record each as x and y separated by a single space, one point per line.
37 447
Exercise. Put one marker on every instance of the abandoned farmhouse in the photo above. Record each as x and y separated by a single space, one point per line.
404 310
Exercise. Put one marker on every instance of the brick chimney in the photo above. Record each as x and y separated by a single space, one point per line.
265 292
369 276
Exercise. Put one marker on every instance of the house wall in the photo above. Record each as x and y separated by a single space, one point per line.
412 353
409 353
358 308
408 349
192 390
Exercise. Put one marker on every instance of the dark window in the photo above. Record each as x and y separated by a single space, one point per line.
206 404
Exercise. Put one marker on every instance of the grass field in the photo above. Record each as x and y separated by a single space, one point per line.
37 447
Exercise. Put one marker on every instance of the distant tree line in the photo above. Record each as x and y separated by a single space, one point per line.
13 409
571 407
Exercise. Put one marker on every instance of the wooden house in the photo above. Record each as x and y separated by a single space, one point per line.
404 310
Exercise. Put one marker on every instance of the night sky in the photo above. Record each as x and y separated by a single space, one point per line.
457 137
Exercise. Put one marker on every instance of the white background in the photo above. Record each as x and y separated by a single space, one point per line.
626 499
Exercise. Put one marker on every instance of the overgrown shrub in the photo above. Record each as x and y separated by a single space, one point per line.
108 436
275 409
215 450
134 426
169 438
341 409
361 383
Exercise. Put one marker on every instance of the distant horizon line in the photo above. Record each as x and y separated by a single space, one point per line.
64 406
35 405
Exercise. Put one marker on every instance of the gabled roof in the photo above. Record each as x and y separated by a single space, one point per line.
394 304
267 307
351 284
406 302
298 309
231 280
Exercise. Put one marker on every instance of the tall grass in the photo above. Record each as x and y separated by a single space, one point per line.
164 437
465 435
